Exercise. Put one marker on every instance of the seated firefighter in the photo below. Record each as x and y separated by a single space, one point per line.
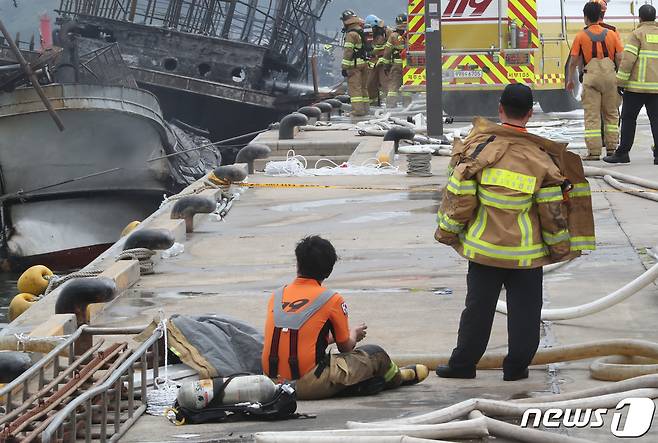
304 318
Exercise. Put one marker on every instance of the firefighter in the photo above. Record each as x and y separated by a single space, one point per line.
638 76
504 210
393 62
304 318
599 50
354 64
377 79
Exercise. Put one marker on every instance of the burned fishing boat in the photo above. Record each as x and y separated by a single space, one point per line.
230 66
67 194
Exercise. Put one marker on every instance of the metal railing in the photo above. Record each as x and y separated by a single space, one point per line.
109 397
52 392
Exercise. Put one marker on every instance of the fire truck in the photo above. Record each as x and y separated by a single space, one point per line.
488 44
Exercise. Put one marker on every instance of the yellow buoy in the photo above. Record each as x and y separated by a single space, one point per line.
130 228
34 280
20 304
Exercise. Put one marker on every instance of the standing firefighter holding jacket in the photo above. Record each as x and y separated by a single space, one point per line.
599 51
638 75
514 202
393 61
355 63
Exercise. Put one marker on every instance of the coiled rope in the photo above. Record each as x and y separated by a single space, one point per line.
164 392
55 281
143 255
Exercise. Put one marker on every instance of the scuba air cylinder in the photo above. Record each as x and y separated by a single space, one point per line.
240 397
249 388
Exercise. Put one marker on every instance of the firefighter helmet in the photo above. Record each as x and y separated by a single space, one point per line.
349 17
401 21
372 21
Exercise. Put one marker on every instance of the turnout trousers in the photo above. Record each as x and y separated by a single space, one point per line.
346 373
357 88
394 85
524 303
377 84
633 103
601 104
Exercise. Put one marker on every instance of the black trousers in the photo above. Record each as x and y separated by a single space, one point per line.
633 103
524 303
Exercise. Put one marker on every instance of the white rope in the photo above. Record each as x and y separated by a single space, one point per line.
297 166
164 392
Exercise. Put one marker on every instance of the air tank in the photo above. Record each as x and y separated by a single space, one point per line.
249 388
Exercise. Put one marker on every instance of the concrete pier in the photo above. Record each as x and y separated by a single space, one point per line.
408 288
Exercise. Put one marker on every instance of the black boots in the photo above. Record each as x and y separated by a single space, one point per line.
448 372
617 158
516 376
467 373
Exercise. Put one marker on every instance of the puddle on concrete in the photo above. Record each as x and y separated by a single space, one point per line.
439 291
303 206
377 216
381 198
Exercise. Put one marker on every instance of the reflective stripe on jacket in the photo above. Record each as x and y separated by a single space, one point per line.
353 46
639 65
393 49
505 205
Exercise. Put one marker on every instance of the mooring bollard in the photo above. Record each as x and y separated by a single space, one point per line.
289 123
187 207
397 133
154 239
312 112
326 109
336 104
225 175
76 295
253 152
12 365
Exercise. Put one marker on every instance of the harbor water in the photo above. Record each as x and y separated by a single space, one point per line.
7 292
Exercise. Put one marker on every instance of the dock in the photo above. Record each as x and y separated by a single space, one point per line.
393 274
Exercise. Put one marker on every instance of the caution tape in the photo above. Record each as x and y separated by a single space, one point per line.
372 188
315 186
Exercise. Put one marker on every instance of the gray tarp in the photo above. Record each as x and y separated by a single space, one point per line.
230 346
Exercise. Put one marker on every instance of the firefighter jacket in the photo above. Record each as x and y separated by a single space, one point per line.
515 200
354 54
393 48
379 41
639 65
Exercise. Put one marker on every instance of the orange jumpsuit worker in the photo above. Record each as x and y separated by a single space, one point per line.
304 317
354 64
599 50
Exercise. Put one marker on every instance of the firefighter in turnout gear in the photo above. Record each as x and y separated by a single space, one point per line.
638 75
377 79
514 202
599 51
304 318
393 62
355 63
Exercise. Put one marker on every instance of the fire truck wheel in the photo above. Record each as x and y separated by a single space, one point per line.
471 103
557 100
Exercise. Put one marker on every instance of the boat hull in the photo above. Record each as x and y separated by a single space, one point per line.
75 190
